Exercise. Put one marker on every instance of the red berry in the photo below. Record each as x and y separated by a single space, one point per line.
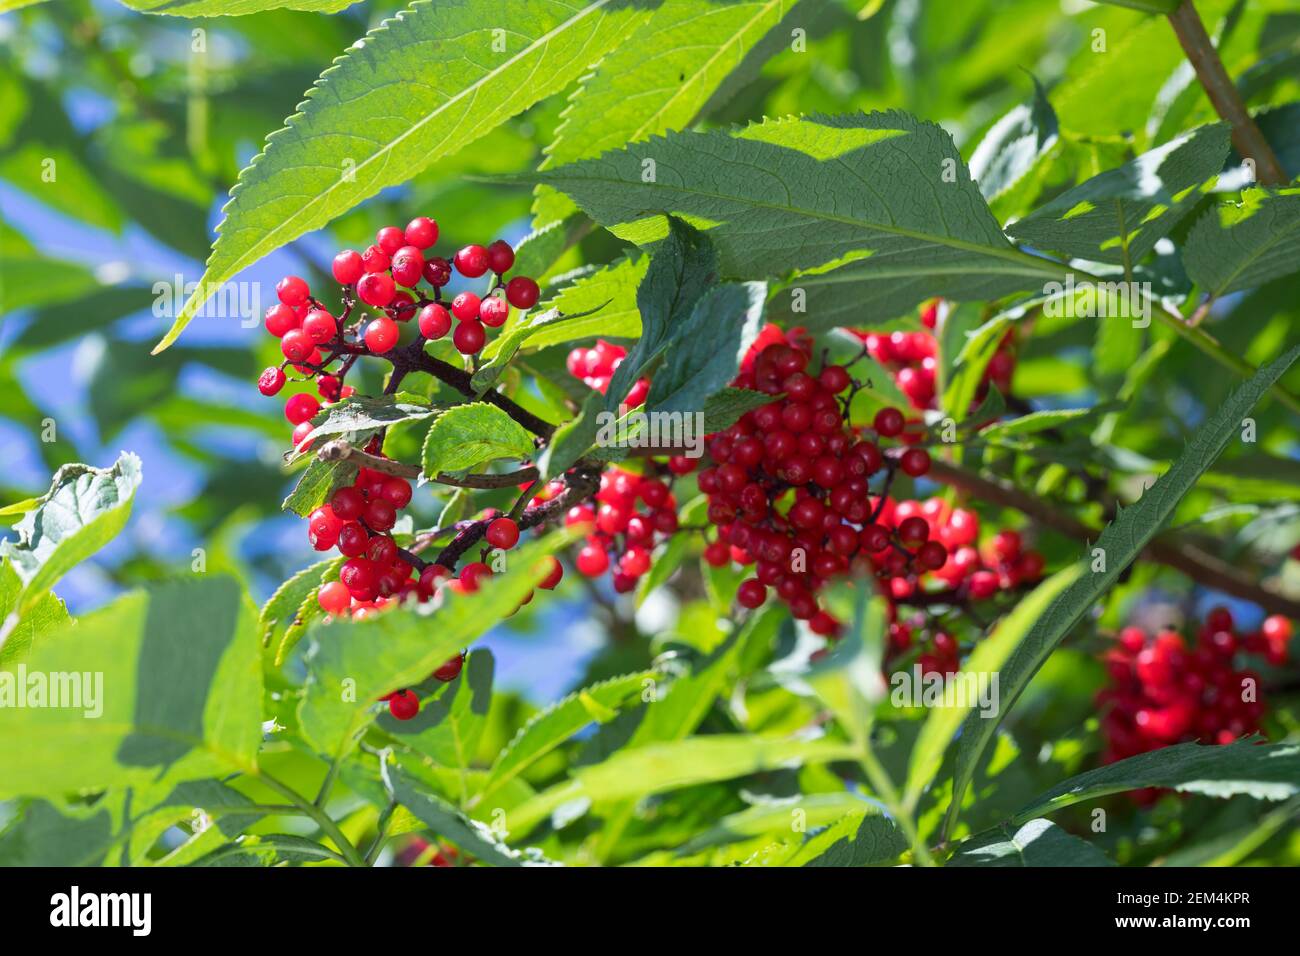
635 561
404 705
465 306
353 538
915 461
319 326
471 261
834 378
348 267
280 319
913 531
471 573
751 593
360 577
375 260
434 321
522 292
592 561
390 239
888 422
300 408
421 232
408 266
348 503
437 272
380 515
448 671
1277 629
376 289
396 491
553 575
381 335
329 388
932 555
493 311
503 533
323 528
333 597
292 291
382 550
469 337
500 257
271 380
1219 619
297 345
429 579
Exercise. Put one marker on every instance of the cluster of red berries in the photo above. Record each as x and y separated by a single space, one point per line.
386 277
632 512
1163 692
595 367
789 486
911 358
937 651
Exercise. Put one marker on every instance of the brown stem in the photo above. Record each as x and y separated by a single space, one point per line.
1167 549
1246 135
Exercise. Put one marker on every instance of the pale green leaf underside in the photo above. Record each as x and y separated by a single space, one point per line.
418 87
1037 843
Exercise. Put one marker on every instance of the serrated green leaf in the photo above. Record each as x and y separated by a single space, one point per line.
1238 246
448 728
877 210
83 510
359 417
1262 771
231 8
612 290
1121 542
473 434
374 118
1118 216
556 724
317 483
282 607
1037 843
164 681
725 408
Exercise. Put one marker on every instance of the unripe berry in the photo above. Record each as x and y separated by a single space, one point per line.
348 267
280 319
333 597
404 705
503 533
434 321
465 306
296 345
390 239
299 408
421 232
469 337
376 289
522 292
292 291
493 311
271 380
381 335
471 261
319 326
500 257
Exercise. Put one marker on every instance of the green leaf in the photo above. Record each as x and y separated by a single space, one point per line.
1014 145
557 723
725 408
1121 542
83 510
318 482
419 87
660 79
877 209
162 682
858 839
1118 216
354 663
448 729
502 349
1037 843
48 613
985 661
1238 246
607 296
232 8
813 810
1039 421
704 354
574 438
470 836
473 434
357 418
281 609
1262 771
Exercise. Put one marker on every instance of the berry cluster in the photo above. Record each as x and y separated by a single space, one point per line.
1163 692
788 488
595 367
911 358
937 651
632 512
387 277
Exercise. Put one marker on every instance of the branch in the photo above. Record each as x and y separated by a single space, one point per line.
1246 136
1168 549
